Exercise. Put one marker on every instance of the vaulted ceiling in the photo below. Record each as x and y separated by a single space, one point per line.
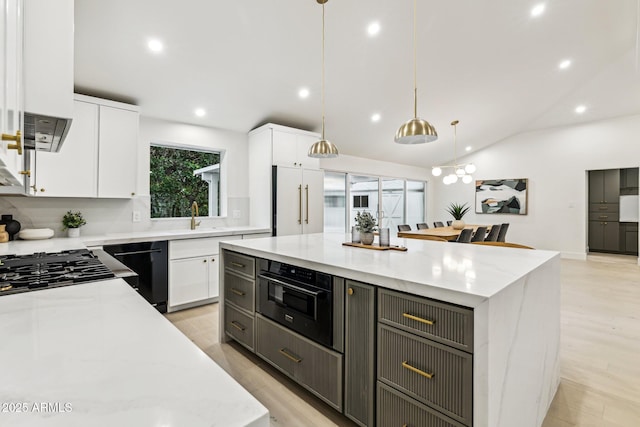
488 63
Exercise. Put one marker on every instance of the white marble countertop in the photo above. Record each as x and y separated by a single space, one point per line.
97 354
463 274
21 247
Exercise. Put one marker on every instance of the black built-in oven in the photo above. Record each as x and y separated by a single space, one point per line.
298 298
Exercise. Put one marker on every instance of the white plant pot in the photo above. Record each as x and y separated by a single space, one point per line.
73 232
458 224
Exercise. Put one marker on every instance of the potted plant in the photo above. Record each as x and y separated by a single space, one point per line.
457 211
72 221
366 225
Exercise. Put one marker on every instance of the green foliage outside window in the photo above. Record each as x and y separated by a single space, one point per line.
173 186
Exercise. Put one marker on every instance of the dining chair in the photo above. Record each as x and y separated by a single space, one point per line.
449 223
422 226
404 227
503 232
438 224
493 233
479 235
465 235
503 244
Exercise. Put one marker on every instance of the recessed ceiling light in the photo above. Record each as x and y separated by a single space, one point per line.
303 93
538 10
155 45
200 112
581 109
373 28
563 65
375 118
468 148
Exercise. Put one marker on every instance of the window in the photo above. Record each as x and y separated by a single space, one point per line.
361 202
178 176
335 196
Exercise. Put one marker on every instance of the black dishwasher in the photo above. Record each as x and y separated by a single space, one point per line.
150 260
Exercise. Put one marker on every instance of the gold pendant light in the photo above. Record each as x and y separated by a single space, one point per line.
416 130
323 148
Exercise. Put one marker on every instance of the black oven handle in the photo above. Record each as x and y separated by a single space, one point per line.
300 289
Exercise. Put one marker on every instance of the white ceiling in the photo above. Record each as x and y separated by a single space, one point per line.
484 62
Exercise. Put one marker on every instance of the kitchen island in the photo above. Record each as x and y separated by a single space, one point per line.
97 354
508 298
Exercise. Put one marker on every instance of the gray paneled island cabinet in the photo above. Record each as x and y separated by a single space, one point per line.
442 335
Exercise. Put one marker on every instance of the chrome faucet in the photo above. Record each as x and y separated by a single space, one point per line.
194 208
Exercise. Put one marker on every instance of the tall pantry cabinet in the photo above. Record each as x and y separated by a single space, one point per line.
286 186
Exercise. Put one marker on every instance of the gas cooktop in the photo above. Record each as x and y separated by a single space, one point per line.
24 273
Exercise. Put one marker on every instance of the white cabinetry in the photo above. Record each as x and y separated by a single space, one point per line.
297 176
99 156
193 271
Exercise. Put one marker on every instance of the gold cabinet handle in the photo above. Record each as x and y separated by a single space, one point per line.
237 292
306 220
17 138
350 291
42 190
238 326
34 188
237 264
300 204
604 216
286 354
27 172
604 208
416 370
418 319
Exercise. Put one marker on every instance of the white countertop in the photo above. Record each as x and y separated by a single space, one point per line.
99 355
22 247
460 273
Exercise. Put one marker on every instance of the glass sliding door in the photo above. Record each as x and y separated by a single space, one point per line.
335 195
416 202
392 212
363 196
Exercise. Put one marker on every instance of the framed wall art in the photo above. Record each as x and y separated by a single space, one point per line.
501 196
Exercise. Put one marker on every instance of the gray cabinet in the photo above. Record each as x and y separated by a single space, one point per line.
629 181
604 208
238 296
629 238
359 353
604 236
604 186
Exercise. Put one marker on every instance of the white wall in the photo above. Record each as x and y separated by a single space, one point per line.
555 161
115 215
345 163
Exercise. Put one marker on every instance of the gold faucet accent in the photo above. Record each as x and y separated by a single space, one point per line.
194 208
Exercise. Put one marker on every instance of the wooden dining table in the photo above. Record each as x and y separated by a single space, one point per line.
447 233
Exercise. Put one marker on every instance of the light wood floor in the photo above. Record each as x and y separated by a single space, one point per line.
600 353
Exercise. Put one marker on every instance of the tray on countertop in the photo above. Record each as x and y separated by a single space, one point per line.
376 247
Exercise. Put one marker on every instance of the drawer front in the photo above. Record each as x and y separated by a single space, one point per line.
239 326
406 361
239 291
396 409
241 264
604 207
317 368
188 248
438 321
604 216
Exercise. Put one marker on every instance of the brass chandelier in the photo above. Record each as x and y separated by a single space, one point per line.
323 148
458 170
416 130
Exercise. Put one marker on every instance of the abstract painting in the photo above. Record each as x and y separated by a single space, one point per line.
501 196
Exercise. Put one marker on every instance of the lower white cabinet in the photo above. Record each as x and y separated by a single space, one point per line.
193 271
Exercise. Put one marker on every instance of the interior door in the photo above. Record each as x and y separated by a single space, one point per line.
288 201
313 197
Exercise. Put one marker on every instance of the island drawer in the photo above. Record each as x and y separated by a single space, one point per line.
604 216
395 409
435 374
442 322
239 291
239 326
240 264
315 367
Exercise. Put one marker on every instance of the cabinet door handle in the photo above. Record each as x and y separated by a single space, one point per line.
350 291
18 141
213 260
604 208
286 354
237 292
416 370
204 260
307 218
238 326
418 319
237 264
300 204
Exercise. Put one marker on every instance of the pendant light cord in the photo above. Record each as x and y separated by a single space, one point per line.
455 143
415 59
323 72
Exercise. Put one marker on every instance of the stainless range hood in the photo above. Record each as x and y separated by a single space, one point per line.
44 133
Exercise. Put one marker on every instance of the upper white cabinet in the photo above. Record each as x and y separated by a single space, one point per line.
99 156
273 145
